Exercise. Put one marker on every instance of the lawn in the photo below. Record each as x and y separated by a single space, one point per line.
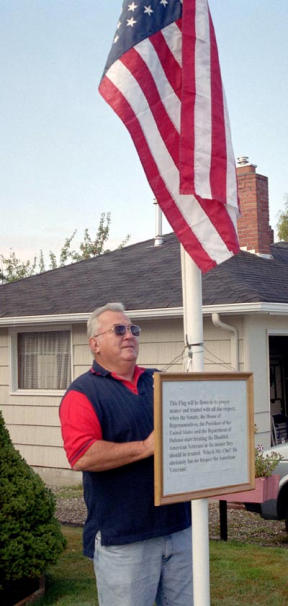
71 581
241 574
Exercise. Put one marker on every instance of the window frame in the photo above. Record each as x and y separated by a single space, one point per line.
13 344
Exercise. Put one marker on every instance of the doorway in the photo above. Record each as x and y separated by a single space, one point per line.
278 355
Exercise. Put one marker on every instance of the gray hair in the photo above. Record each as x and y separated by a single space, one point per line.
93 322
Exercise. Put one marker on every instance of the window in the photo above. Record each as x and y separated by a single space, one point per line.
44 360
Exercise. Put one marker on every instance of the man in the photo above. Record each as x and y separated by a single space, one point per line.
141 553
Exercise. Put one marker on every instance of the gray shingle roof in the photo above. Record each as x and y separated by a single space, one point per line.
145 277
280 251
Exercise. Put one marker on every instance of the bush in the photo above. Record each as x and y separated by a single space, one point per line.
30 535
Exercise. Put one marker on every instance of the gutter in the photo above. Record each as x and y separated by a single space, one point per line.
234 339
152 314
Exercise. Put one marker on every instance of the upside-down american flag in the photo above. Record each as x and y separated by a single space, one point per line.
163 79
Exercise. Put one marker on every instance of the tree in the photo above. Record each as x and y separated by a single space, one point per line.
282 224
12 268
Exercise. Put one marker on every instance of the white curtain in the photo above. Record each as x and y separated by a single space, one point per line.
44 360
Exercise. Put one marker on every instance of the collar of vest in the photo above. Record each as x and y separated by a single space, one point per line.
96 369
99 370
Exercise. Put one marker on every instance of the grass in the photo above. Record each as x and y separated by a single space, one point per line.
244 574
71 582
241 574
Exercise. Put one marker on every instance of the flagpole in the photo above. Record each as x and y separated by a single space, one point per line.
194 362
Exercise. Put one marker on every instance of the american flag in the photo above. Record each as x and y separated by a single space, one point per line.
163 79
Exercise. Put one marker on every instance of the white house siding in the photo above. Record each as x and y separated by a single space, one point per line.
4 370
33 420
218 345
256 353
161 344
254 331
256 356
81 355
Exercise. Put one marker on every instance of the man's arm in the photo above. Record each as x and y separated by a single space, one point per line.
103 455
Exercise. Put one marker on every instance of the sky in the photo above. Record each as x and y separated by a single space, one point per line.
65 157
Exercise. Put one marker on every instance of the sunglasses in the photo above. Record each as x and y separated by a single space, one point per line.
121 329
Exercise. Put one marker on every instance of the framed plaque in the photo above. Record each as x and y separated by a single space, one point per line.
204 435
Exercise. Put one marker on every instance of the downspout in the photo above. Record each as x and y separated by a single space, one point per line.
234 340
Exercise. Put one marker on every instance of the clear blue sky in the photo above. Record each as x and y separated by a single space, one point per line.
65 157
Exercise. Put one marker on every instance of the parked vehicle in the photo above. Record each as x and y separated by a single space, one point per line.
276 509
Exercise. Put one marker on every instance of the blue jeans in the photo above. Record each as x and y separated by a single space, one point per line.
139 574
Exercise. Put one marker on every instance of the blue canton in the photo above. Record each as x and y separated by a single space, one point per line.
140 19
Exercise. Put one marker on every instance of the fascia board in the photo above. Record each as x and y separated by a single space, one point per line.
45 319
151 314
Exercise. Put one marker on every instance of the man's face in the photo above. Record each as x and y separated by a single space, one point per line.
109 349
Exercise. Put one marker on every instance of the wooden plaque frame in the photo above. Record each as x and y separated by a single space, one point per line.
240 387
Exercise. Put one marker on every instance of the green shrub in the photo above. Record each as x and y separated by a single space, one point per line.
30 535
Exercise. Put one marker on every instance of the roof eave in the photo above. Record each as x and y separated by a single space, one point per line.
151 314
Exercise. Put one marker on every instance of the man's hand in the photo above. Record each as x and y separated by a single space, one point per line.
149 444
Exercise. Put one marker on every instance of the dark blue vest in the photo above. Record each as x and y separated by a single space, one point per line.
120 501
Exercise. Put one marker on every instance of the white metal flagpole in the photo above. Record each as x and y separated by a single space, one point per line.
194 362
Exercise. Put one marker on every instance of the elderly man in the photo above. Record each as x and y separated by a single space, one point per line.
141 553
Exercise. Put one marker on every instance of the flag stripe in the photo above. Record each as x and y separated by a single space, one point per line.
173 37
221 219
231 179
136 66
194 215
172 103
168 61
219 151
202 116
123 109
187 143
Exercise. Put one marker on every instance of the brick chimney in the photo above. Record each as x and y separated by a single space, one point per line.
254 230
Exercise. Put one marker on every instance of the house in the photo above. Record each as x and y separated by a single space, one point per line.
43 343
